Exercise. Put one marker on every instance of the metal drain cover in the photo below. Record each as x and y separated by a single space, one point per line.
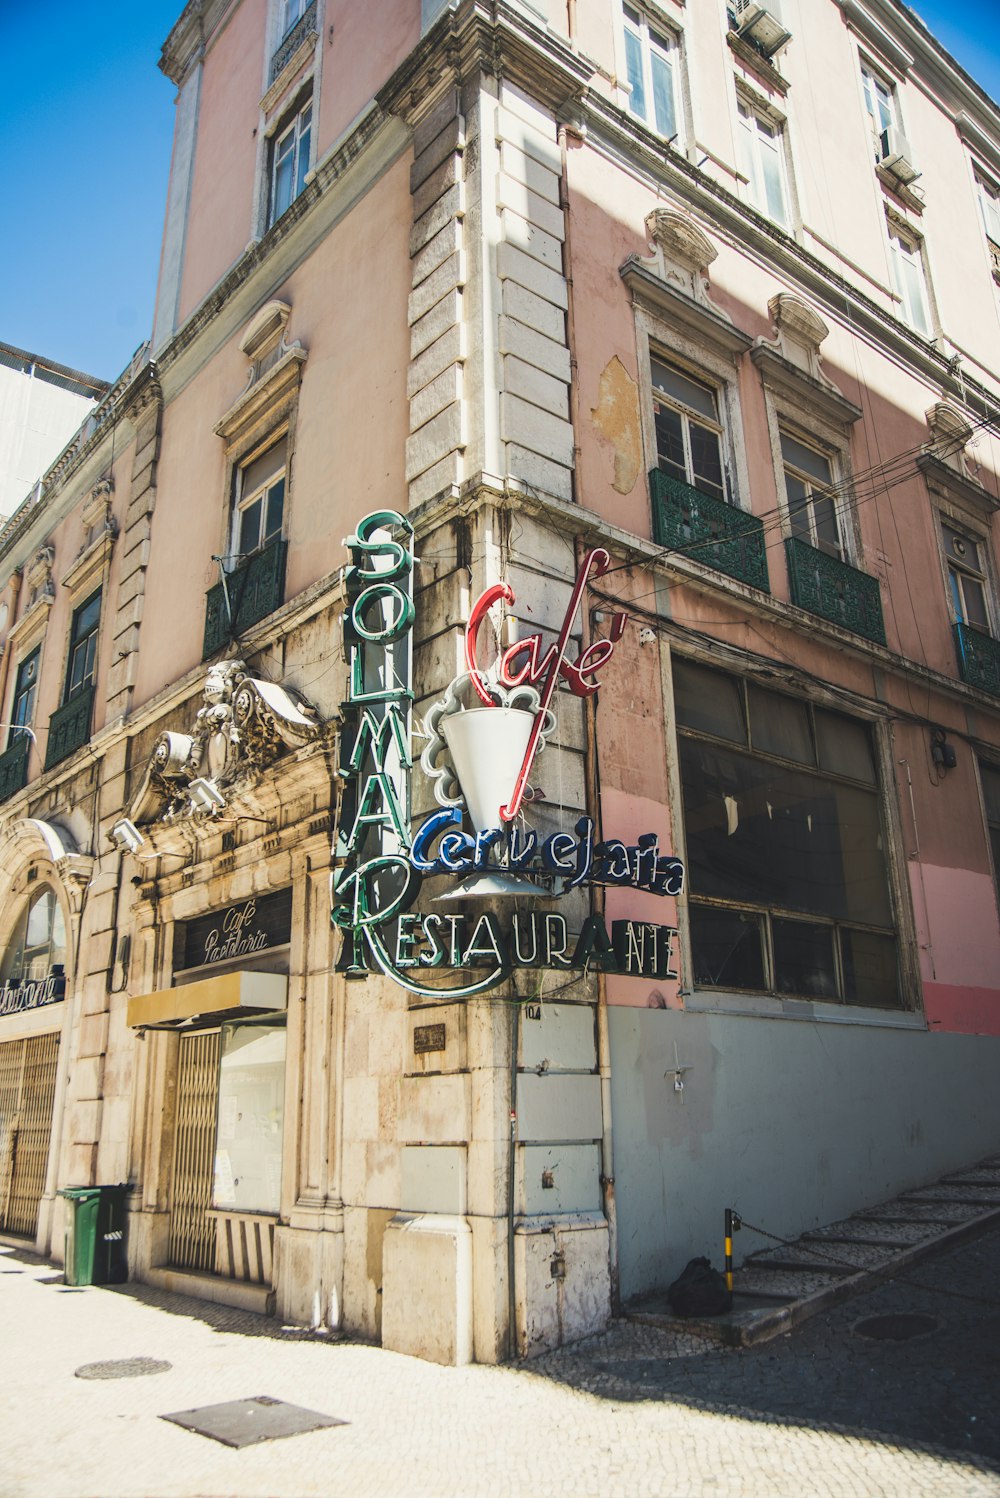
897 1326
124 1368
243 1422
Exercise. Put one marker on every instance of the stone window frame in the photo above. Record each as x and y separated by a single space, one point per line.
764 109
804 403
24 656
897 230
657 339
265 412
947 509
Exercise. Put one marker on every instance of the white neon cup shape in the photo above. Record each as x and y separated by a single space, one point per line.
487 746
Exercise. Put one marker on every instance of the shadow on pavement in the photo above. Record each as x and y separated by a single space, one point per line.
937 1390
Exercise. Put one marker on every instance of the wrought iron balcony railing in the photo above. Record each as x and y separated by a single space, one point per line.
69 727
835 590
14 767
254 589
708 530
978 658
292 41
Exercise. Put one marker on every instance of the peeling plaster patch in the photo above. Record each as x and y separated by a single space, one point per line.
616 422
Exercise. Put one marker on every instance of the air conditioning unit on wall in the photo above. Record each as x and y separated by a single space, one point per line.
897 155
761 24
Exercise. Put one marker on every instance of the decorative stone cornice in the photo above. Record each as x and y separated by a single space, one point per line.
877 37
792 364
244 724
956 487
660 289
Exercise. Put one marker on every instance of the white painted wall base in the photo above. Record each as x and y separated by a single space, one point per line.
427 1288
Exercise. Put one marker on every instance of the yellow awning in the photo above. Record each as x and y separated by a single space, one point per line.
220 996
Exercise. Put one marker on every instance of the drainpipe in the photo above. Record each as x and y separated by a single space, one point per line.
592 780
515 1036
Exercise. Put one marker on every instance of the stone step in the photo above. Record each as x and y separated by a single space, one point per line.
890 1234
781 1284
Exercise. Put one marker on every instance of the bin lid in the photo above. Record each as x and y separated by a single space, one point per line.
79 1193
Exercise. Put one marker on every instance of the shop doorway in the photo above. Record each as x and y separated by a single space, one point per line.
192 1228
27 1095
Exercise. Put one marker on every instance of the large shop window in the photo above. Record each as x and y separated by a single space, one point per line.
788 881
250 1129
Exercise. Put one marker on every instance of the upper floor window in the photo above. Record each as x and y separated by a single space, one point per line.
650 62
38 942
761 147
289 162
292 11
83 646
260 501
880 102
688 429
988 198
907 260
25 688
966 577
812 509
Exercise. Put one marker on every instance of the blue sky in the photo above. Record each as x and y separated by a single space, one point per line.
85 135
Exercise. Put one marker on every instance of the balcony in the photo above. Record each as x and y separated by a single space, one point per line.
708 530
835 590
69 727
978 658
292 41
14 767
256 587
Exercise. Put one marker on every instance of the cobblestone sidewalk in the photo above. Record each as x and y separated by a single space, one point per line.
636 1412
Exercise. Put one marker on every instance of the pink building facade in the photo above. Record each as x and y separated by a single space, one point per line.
504 352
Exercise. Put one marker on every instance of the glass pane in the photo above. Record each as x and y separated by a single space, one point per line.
275 507
250 1122
670 442
780 725
258 473
803 959
961 547
975 603
912 290
86 618
844 746
765 834
799 509
633 68
708 701
774 187
249 528
806 460
282 195
870 969
663 93
726 947
706 461
38 921
827 529
302 166
688 392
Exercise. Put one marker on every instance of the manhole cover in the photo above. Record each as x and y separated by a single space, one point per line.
124 1368
897 1326
244 1422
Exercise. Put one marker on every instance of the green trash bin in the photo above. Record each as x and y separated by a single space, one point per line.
95 1234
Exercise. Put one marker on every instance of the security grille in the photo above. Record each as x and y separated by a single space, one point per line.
192 1231
27 1093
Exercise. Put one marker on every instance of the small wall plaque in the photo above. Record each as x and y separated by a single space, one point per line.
428 1038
